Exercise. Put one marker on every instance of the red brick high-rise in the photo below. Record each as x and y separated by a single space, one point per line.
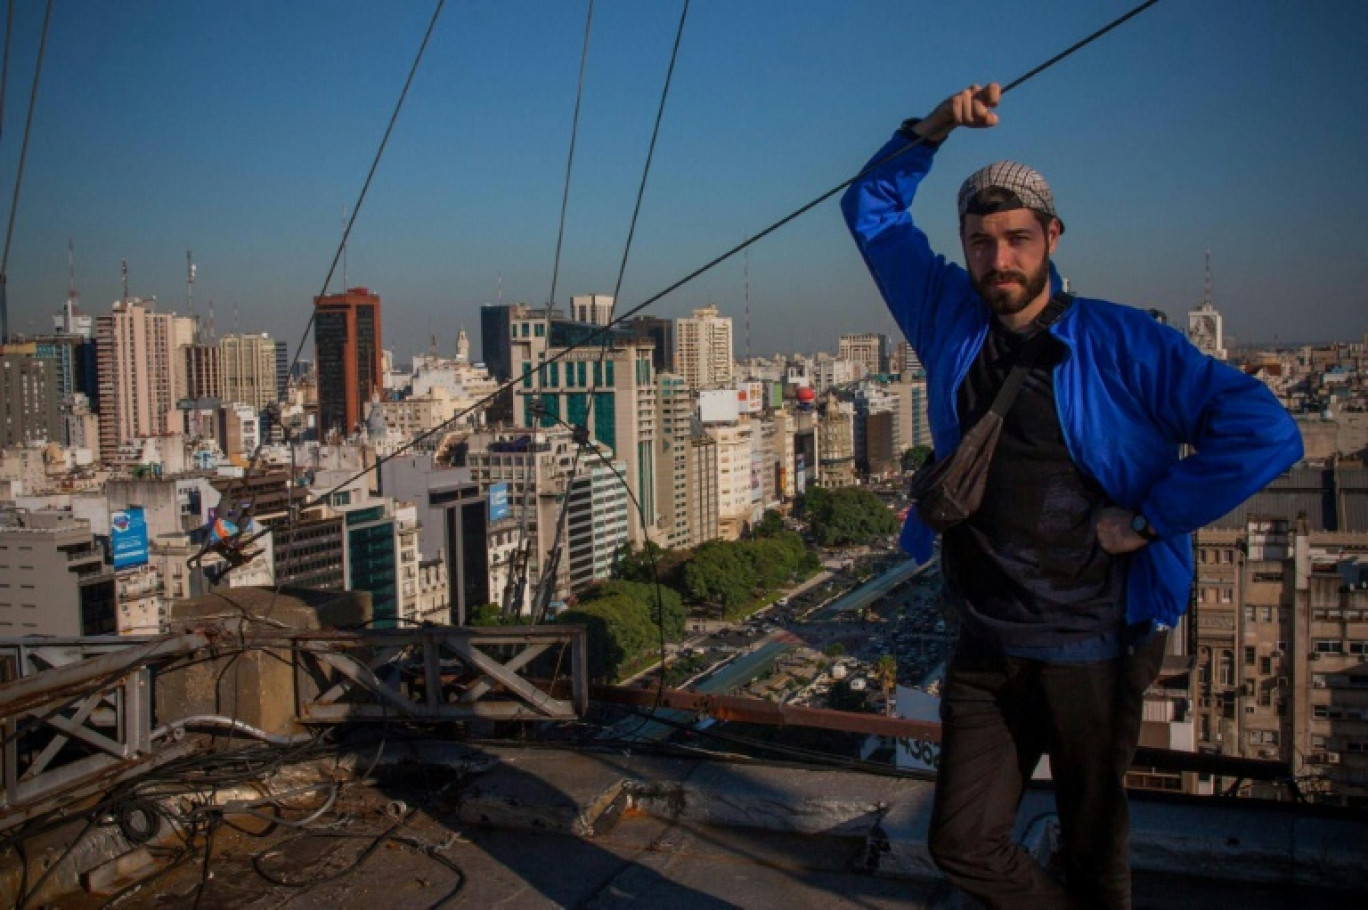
347 351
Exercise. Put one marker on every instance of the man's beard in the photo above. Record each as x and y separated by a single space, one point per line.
1009 300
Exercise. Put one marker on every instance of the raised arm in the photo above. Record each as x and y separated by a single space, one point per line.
921 288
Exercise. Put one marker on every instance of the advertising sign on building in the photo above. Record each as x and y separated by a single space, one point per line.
498 501
719 406
128 538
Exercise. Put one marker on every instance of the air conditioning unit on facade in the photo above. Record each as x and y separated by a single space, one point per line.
1314 655
1332 758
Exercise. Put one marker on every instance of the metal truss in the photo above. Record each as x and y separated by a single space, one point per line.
76 715
439 674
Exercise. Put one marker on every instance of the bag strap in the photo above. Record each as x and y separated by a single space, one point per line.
1026 360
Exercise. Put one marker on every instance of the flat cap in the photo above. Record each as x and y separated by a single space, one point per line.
1024 183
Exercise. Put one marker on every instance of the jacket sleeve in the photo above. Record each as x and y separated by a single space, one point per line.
915 282
1240 435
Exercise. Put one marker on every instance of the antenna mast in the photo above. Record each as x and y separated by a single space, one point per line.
70 310
1207 302
746 272
123 267
190 290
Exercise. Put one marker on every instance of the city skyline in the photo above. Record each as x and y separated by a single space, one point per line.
244 133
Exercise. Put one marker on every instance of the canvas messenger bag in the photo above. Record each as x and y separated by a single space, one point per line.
948 491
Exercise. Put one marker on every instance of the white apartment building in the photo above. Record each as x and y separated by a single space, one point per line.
596 522
704 353
735 506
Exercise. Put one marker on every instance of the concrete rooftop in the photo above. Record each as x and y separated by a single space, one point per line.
537 827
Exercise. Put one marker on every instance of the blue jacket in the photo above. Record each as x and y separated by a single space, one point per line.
1130 393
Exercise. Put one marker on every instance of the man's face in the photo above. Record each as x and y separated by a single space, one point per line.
1008 255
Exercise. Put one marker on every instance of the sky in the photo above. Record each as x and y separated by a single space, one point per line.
244 131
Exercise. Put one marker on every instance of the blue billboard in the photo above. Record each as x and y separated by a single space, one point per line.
128 538
498 501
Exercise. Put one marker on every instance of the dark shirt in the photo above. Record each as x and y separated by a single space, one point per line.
1026 570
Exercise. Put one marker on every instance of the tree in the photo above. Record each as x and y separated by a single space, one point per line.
662 606
617 630
847 516
649 563
886 672
719 574
915 457
770 525
490 614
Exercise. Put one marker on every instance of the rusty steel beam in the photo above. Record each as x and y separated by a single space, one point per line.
23 694
758 711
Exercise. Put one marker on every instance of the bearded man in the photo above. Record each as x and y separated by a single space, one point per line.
1079 560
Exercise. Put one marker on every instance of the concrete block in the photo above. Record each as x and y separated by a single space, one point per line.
256 687
117 874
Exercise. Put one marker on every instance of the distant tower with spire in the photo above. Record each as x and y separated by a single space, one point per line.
1206 328
463 346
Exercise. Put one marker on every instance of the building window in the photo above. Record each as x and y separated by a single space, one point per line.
1227 677
1249 653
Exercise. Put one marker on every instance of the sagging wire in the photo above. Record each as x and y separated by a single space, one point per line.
604 330
655 575
23 157
580 434
4 66
517 578
236 542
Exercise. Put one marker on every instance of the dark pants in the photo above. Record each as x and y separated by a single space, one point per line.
1000 714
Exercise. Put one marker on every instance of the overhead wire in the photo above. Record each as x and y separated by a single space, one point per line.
4 65
518 570
243 533
541 602
604 330
19 174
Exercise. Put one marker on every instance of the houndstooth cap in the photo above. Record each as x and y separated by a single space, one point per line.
1024 182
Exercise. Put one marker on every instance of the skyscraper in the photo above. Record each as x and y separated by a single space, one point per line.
137 385
347 346
704 356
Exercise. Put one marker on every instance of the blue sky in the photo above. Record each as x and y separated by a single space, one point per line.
243 130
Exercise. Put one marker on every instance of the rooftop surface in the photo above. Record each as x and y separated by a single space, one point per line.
421 823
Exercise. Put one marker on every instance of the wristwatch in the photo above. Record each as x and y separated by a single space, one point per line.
905 128
1140 525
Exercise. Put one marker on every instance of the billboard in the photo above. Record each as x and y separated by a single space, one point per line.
498 501
719 406
128 538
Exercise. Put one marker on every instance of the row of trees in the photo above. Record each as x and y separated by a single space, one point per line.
630 616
